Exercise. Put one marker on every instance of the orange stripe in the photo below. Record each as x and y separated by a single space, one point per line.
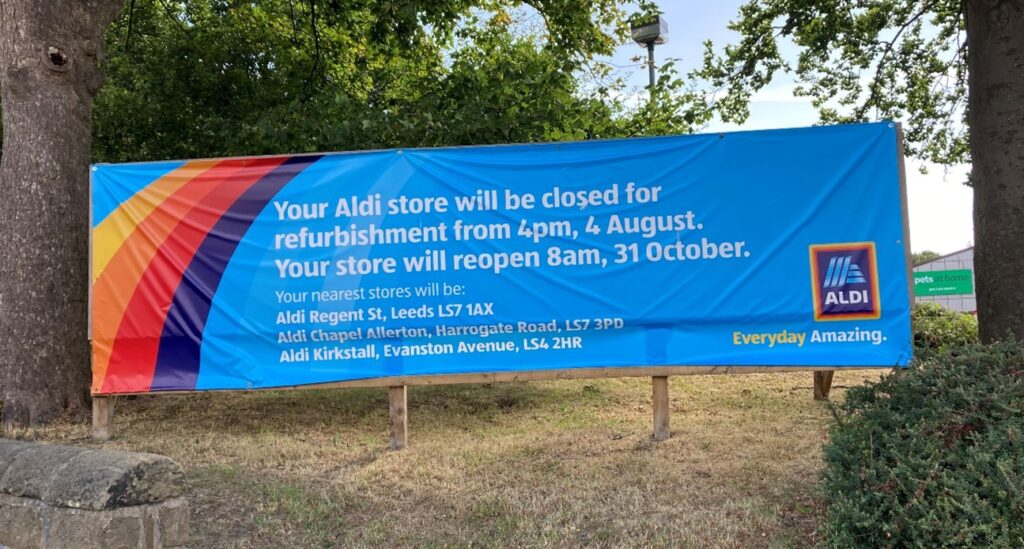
111 233
113 289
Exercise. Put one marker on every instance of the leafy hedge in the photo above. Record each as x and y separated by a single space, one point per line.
937 328
932 456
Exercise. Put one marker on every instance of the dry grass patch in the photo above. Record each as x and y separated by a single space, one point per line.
562 463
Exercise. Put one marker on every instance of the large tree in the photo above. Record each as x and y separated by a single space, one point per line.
49 55
952 69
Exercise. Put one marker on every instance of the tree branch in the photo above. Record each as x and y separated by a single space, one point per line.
128 33
316 46
873 96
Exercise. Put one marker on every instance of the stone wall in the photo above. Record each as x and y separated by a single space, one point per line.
64 497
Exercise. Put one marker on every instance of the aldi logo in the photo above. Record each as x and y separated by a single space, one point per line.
844 281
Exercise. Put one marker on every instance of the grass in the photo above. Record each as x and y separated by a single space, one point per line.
561 463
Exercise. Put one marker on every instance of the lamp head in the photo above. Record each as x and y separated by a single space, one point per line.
649 30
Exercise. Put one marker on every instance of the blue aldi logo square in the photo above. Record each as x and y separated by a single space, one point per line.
844 278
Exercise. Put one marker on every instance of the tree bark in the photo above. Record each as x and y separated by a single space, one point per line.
49 55
995 33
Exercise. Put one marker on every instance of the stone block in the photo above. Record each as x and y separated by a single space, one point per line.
122 532
21 523
79 478
78 528
31 471
59 497
9 449
107 480
150 530
173 522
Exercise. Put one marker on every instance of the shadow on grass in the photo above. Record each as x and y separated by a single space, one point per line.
316 409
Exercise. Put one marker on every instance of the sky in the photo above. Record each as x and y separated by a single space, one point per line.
940 204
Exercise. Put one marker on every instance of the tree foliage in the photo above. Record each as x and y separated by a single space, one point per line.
949 69
924 257
858 60
200 78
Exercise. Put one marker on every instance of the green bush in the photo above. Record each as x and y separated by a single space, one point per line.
937 328
932 456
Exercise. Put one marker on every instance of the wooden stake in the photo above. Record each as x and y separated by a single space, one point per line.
822 384
660 389
399 418
102 417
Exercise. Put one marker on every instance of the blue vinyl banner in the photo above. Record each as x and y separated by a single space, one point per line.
767 248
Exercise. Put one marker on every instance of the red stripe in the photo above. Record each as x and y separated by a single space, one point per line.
133 358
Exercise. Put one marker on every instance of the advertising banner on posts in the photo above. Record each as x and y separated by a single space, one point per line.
766 248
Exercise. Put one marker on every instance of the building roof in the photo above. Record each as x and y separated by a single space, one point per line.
941 257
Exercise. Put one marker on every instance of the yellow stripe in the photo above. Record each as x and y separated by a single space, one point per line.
111 233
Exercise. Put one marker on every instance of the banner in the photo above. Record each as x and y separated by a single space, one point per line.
768 248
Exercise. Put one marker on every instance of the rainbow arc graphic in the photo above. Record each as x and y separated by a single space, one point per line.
165 249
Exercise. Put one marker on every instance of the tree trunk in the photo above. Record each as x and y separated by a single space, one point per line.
49 51
995 31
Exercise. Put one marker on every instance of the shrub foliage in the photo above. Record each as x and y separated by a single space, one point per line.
932 456
937 328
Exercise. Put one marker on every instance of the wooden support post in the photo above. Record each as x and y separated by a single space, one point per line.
102 417
399 417
822 384
660 387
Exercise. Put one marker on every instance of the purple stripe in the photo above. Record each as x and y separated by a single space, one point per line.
177 362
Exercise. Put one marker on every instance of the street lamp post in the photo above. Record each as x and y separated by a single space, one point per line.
650 65
650 32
